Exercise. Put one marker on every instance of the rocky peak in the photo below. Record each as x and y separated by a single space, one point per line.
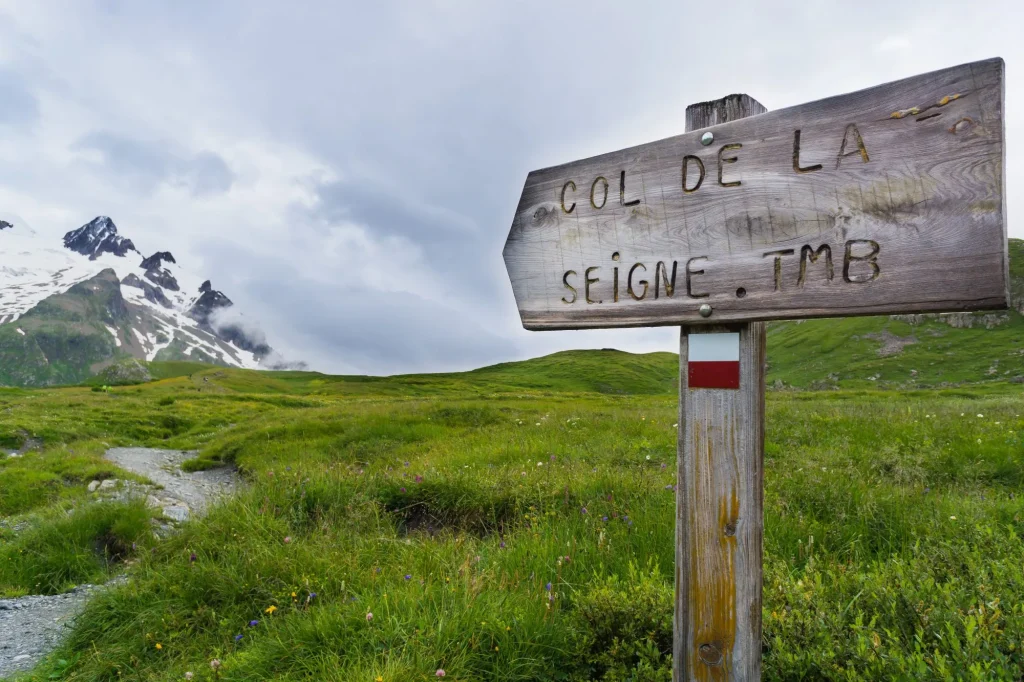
97 237
157 260
4 225
207 303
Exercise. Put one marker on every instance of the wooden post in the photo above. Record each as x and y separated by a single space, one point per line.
719 497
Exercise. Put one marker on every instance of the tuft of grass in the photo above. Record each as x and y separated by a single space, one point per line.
71 546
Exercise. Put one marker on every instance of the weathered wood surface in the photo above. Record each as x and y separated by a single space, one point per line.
720 520
887 200
719 497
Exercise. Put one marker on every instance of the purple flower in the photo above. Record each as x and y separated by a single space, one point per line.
604 518
408 577
548 587
192 558
312 595
238 637
402 490
406 464
502 544
662 465
418 479
552 458
253 623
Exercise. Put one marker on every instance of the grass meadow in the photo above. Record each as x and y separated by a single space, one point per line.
514 523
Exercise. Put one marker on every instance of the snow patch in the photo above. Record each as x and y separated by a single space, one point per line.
21 331
113 332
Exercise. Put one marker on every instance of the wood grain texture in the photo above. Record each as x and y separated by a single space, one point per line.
915 167
719 498
720 520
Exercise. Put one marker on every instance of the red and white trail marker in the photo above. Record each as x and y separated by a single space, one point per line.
714 360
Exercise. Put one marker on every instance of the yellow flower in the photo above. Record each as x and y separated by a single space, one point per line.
270 609
159 646
293 594
379 678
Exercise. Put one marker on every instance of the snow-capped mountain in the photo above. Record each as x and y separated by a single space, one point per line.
168 313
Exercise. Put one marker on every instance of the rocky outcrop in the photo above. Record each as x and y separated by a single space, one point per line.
157 260
152 293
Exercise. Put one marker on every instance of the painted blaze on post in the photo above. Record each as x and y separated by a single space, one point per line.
714 360
888 200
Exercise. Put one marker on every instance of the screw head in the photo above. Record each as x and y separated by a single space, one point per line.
707 138
704 310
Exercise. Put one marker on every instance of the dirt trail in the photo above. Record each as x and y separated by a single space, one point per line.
30 627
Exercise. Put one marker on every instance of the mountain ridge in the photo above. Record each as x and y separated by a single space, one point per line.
53 328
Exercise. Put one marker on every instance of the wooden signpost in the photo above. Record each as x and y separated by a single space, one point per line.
889 200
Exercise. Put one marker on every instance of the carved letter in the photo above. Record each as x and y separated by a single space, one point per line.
700 165
564 187
809 254
589 281
670 285
870 259
565 282
722 160
689 275
629 282
622 192
778 264
594 187
615 277
796 157
861 149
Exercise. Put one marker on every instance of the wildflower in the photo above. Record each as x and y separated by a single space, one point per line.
538 424
662 465
604 518
188 675
540 464
159 646
369 616
270 609
440 671
548 587
215 663
980 416
402 490
379 678
238 638
408 577
419 479
312 595
405 464
648 458
502 544
269 473
583 511
952 518
553 457
294 595
288 539
253 623
192 558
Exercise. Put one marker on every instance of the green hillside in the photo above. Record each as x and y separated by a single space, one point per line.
515 523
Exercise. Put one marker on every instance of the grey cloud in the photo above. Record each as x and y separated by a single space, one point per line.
18 105
340 328
144 165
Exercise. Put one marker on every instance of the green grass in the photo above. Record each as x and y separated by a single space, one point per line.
893 524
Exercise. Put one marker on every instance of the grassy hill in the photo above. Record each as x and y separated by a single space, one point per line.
514 523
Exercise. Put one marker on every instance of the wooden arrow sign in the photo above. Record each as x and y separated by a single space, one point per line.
888 200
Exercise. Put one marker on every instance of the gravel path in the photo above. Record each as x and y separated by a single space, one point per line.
30 627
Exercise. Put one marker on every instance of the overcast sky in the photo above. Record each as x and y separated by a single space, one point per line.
347 172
